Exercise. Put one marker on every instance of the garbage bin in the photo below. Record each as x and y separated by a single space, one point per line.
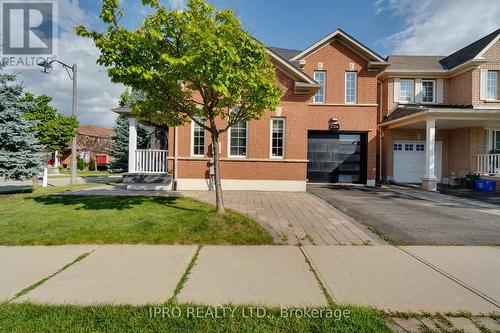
471 180
485 185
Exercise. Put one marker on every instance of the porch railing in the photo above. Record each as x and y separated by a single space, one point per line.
150 161
488 163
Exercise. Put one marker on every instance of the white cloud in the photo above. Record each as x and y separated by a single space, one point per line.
96 94
439 27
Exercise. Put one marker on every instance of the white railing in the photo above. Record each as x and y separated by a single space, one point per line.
488 163
150 161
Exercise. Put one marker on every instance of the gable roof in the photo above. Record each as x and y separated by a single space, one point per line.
345 38
471 51
294 71
286 54
96 131
402 63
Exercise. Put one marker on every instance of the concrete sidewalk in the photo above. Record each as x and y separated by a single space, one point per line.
431 279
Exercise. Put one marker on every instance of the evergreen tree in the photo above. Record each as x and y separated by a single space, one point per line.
21 157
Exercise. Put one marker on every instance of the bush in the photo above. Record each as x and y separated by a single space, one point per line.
92 165
80 164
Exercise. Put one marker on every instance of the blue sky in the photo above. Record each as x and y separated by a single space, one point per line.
285 23
387 26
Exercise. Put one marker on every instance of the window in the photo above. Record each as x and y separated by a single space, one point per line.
277 137
198 139
428 89
492 85
406 91
398 146
408 147
495 144
238 139
420 147
350 87
320 95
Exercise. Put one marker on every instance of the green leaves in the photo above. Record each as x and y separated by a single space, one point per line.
52 129
195 62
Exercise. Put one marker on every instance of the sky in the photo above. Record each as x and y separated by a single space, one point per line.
432 27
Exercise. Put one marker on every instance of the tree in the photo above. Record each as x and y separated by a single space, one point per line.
52 129
196 64
119 143
21 155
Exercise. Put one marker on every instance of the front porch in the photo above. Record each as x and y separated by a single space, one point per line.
147 167
450 143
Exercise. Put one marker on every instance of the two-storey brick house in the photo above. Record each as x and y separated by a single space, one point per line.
440 115
324 130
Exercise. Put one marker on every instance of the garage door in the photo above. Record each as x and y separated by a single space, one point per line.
336 157
409 161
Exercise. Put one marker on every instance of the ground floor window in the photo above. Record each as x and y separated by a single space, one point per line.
198 139
238 139
495 145
277 137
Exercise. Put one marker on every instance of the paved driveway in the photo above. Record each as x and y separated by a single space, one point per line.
297 218
415 217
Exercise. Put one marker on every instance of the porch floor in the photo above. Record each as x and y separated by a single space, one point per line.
299 218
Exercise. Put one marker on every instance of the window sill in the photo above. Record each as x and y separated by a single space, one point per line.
492 101
343 104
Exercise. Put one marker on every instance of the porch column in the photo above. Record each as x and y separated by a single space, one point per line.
132 143
429 181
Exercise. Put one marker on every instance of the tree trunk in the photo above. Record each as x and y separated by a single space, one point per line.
34 181
219 202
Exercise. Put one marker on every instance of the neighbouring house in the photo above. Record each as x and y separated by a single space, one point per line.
347 115
440 115
92 143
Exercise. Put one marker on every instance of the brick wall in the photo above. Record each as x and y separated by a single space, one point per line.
362 116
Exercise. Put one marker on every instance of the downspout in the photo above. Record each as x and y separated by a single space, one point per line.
176 154
380 133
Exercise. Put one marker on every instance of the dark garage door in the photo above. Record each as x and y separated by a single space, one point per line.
336 157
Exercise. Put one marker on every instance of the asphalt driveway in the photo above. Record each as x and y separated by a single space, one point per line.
414 217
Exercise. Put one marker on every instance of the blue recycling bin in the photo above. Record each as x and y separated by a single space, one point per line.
486 185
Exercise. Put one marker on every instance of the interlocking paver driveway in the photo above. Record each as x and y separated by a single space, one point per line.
299 218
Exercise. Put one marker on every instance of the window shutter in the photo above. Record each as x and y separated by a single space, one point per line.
418 90
482 84
396 89
439 91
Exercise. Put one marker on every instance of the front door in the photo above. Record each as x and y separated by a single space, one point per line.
337 157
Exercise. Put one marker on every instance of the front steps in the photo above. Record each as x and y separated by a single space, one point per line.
147 182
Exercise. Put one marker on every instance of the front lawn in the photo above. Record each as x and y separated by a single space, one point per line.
48 218
45 318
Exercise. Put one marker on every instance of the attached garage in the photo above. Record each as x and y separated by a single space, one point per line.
409 161
337 157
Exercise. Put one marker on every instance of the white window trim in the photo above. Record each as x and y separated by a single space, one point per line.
192 141
324 87
434 91
412 95
495 98
271 139
229 144
355 87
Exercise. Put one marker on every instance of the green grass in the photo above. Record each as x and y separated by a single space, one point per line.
47 218
44 318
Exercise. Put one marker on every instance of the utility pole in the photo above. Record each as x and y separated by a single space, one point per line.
73 143
46 67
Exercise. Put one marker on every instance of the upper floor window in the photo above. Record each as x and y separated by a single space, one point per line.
406 91
277 137
319 77
238 139
428 91
198 139
350 87
492 85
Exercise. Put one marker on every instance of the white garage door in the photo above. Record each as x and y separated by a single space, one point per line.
409 161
